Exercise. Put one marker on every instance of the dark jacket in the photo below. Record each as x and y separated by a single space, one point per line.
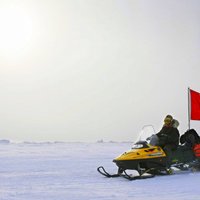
169 136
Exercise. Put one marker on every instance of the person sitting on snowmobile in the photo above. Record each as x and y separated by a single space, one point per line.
169 134
167 137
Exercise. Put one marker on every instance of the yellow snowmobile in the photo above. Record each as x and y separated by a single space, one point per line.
149 160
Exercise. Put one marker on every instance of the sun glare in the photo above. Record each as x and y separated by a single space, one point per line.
16 32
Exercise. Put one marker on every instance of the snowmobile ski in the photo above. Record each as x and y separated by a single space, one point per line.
102 171
123 173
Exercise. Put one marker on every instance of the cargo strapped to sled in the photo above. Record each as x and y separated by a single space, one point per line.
196 150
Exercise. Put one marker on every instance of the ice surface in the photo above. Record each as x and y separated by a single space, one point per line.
67 171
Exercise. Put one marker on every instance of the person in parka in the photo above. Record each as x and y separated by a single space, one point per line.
168 136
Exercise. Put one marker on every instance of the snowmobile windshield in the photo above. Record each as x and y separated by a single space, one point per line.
146 132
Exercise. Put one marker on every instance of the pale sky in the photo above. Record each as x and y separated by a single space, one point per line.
84 70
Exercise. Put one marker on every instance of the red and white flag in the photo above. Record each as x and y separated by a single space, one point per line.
194 105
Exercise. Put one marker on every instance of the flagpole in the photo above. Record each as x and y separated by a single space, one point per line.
189 109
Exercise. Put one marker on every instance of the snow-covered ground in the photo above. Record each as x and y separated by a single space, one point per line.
67 171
